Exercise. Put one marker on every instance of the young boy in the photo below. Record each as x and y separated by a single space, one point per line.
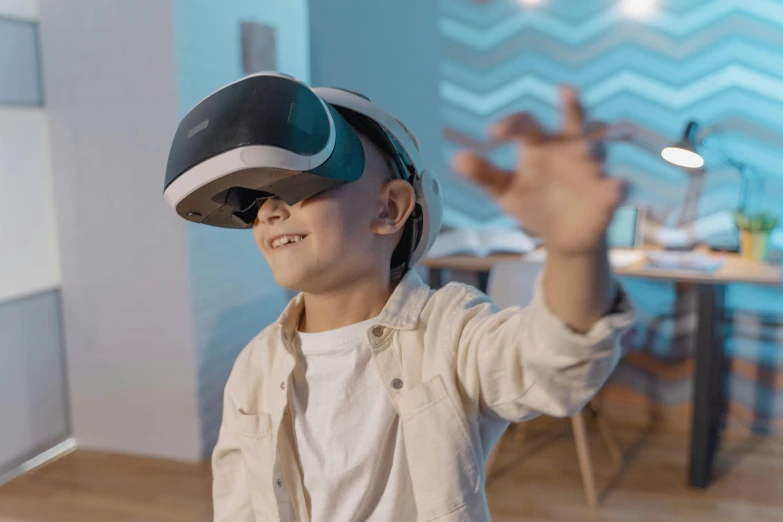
377 399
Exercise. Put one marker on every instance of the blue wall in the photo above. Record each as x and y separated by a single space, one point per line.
234 293
388 51
716 61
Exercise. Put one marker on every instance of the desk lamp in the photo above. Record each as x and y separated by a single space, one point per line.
685 153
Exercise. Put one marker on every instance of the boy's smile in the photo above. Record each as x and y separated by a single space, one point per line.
284 240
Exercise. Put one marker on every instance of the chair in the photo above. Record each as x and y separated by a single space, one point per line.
513 283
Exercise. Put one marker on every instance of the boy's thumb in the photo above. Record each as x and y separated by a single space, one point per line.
480 171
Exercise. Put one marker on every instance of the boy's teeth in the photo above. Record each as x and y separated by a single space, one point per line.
285 240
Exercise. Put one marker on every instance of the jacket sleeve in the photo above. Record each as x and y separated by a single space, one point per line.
230 495
521 362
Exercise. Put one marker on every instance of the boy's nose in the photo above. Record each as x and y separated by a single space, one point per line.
271 210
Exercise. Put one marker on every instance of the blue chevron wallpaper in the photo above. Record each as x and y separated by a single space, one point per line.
716 61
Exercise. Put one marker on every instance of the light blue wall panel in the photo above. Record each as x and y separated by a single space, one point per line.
20 74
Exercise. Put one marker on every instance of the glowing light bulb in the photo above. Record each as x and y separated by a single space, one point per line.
683 157
639 8
531 2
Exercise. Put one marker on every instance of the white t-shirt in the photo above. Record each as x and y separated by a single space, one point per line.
348 433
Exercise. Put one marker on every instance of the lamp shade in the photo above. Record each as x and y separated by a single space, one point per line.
684 153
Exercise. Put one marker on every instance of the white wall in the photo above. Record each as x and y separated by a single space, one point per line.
29 261
110 84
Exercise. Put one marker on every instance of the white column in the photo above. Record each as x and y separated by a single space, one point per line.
110 87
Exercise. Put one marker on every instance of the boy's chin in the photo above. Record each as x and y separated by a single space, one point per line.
308 281
293 284
295 280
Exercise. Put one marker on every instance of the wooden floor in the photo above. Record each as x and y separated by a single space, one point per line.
541 482
94 487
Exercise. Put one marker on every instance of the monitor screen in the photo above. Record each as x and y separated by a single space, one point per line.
623 231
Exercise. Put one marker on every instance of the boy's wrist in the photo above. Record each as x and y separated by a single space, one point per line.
579 287
599 251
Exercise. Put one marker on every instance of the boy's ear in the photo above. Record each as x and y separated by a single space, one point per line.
397 200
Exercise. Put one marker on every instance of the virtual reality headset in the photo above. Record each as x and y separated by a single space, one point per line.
270 135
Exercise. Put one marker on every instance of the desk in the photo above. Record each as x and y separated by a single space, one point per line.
708 382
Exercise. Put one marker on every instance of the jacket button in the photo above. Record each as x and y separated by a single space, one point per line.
396 384
377 331
279 483
282 385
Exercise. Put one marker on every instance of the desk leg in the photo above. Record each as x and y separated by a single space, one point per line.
707 385
436 278
483 281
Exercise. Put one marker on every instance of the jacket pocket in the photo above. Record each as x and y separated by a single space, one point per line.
255 425
441 458
258 454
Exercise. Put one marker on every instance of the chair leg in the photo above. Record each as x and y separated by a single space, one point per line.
606 433
585 461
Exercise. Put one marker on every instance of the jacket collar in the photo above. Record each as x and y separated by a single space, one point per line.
401 311
404 307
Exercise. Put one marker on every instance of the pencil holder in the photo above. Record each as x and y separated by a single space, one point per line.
754 234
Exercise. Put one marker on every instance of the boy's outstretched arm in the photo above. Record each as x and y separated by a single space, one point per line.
553 356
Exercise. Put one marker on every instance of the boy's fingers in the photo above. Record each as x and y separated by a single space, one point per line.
491 178
575 158
521 126
571 112
596 129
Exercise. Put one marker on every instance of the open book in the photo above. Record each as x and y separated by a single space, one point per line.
482 242
618 258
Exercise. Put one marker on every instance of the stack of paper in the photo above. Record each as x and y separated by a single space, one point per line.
625 258
689 260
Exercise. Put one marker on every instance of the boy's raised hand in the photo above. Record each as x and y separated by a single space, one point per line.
558 189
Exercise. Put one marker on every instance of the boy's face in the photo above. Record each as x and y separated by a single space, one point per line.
338 236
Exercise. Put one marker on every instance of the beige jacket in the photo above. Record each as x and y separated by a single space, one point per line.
457 369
